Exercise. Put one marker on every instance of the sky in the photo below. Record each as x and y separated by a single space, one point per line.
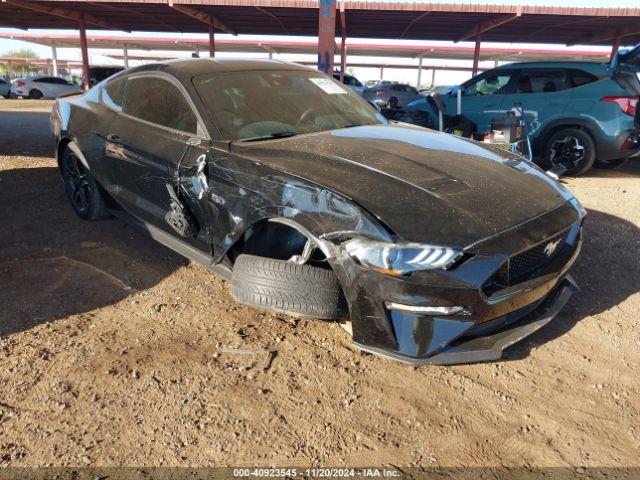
442 78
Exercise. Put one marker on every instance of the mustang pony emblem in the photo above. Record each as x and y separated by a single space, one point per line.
551 247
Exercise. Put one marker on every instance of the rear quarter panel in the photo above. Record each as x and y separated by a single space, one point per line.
85 121
609 120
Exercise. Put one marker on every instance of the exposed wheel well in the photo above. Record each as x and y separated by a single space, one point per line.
276 240
62 145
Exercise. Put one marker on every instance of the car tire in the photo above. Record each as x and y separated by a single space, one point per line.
299 290
35 94
609 164
392 103
82 189
573 148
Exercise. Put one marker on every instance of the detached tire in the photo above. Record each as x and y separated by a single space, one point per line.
297 290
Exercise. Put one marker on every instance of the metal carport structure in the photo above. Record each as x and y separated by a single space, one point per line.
355 19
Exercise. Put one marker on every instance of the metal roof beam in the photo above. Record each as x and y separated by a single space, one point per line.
410 24
490 25
203 17
64 13
610 35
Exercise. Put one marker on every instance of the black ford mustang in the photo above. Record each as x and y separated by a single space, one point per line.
434 249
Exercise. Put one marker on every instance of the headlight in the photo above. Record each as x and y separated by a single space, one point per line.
399 259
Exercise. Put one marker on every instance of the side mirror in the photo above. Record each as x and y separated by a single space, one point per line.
375 105
454 91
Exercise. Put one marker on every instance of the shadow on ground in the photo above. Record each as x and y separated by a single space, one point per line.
607 272
631 168
54 265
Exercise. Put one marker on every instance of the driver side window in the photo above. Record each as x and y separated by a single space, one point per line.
493 84
160 102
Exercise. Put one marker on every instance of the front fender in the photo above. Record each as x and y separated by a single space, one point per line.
243 193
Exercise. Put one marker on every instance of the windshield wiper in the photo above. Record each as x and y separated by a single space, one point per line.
269 137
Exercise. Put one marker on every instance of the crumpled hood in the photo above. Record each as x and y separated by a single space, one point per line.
426 186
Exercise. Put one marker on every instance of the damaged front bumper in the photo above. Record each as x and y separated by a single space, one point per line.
487 341
471 313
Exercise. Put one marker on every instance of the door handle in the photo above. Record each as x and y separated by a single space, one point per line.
113 137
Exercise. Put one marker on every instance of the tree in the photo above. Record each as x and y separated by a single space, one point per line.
22 53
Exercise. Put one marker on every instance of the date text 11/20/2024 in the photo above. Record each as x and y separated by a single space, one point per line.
317 472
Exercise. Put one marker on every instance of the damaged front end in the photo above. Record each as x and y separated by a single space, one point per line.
487 298
421 304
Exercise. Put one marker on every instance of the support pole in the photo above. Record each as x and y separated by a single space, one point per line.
212 42
85 53
326 35
343 44
381 73
476 53
54 55
615 46
419 81
433 77
126 56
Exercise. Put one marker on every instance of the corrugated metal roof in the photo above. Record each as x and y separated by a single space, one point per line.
410 20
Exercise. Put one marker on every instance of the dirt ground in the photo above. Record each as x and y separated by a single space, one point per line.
116 351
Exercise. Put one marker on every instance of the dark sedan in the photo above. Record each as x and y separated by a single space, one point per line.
431 248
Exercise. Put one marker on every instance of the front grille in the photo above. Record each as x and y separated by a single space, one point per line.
518 267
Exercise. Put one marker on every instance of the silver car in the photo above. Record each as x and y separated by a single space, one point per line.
392 95
43 87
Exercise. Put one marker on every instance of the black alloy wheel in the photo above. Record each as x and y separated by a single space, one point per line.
82 189
572 149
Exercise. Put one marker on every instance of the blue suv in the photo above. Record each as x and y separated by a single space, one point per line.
580 114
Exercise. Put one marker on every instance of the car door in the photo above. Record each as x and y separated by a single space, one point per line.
543 93
482 97
404 95
153 142
412 94
44 85
56 86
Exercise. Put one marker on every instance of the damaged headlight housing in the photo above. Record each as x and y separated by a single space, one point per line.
399 258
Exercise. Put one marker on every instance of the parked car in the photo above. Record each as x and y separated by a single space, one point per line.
42 87
438 89
581 114
98 74
5 88
391 95
290 185
350 81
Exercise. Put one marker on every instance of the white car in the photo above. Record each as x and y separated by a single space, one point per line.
43 87
5 88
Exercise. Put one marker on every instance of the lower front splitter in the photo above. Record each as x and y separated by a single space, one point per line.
484 343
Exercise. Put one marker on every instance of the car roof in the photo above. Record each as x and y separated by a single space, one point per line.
189 68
